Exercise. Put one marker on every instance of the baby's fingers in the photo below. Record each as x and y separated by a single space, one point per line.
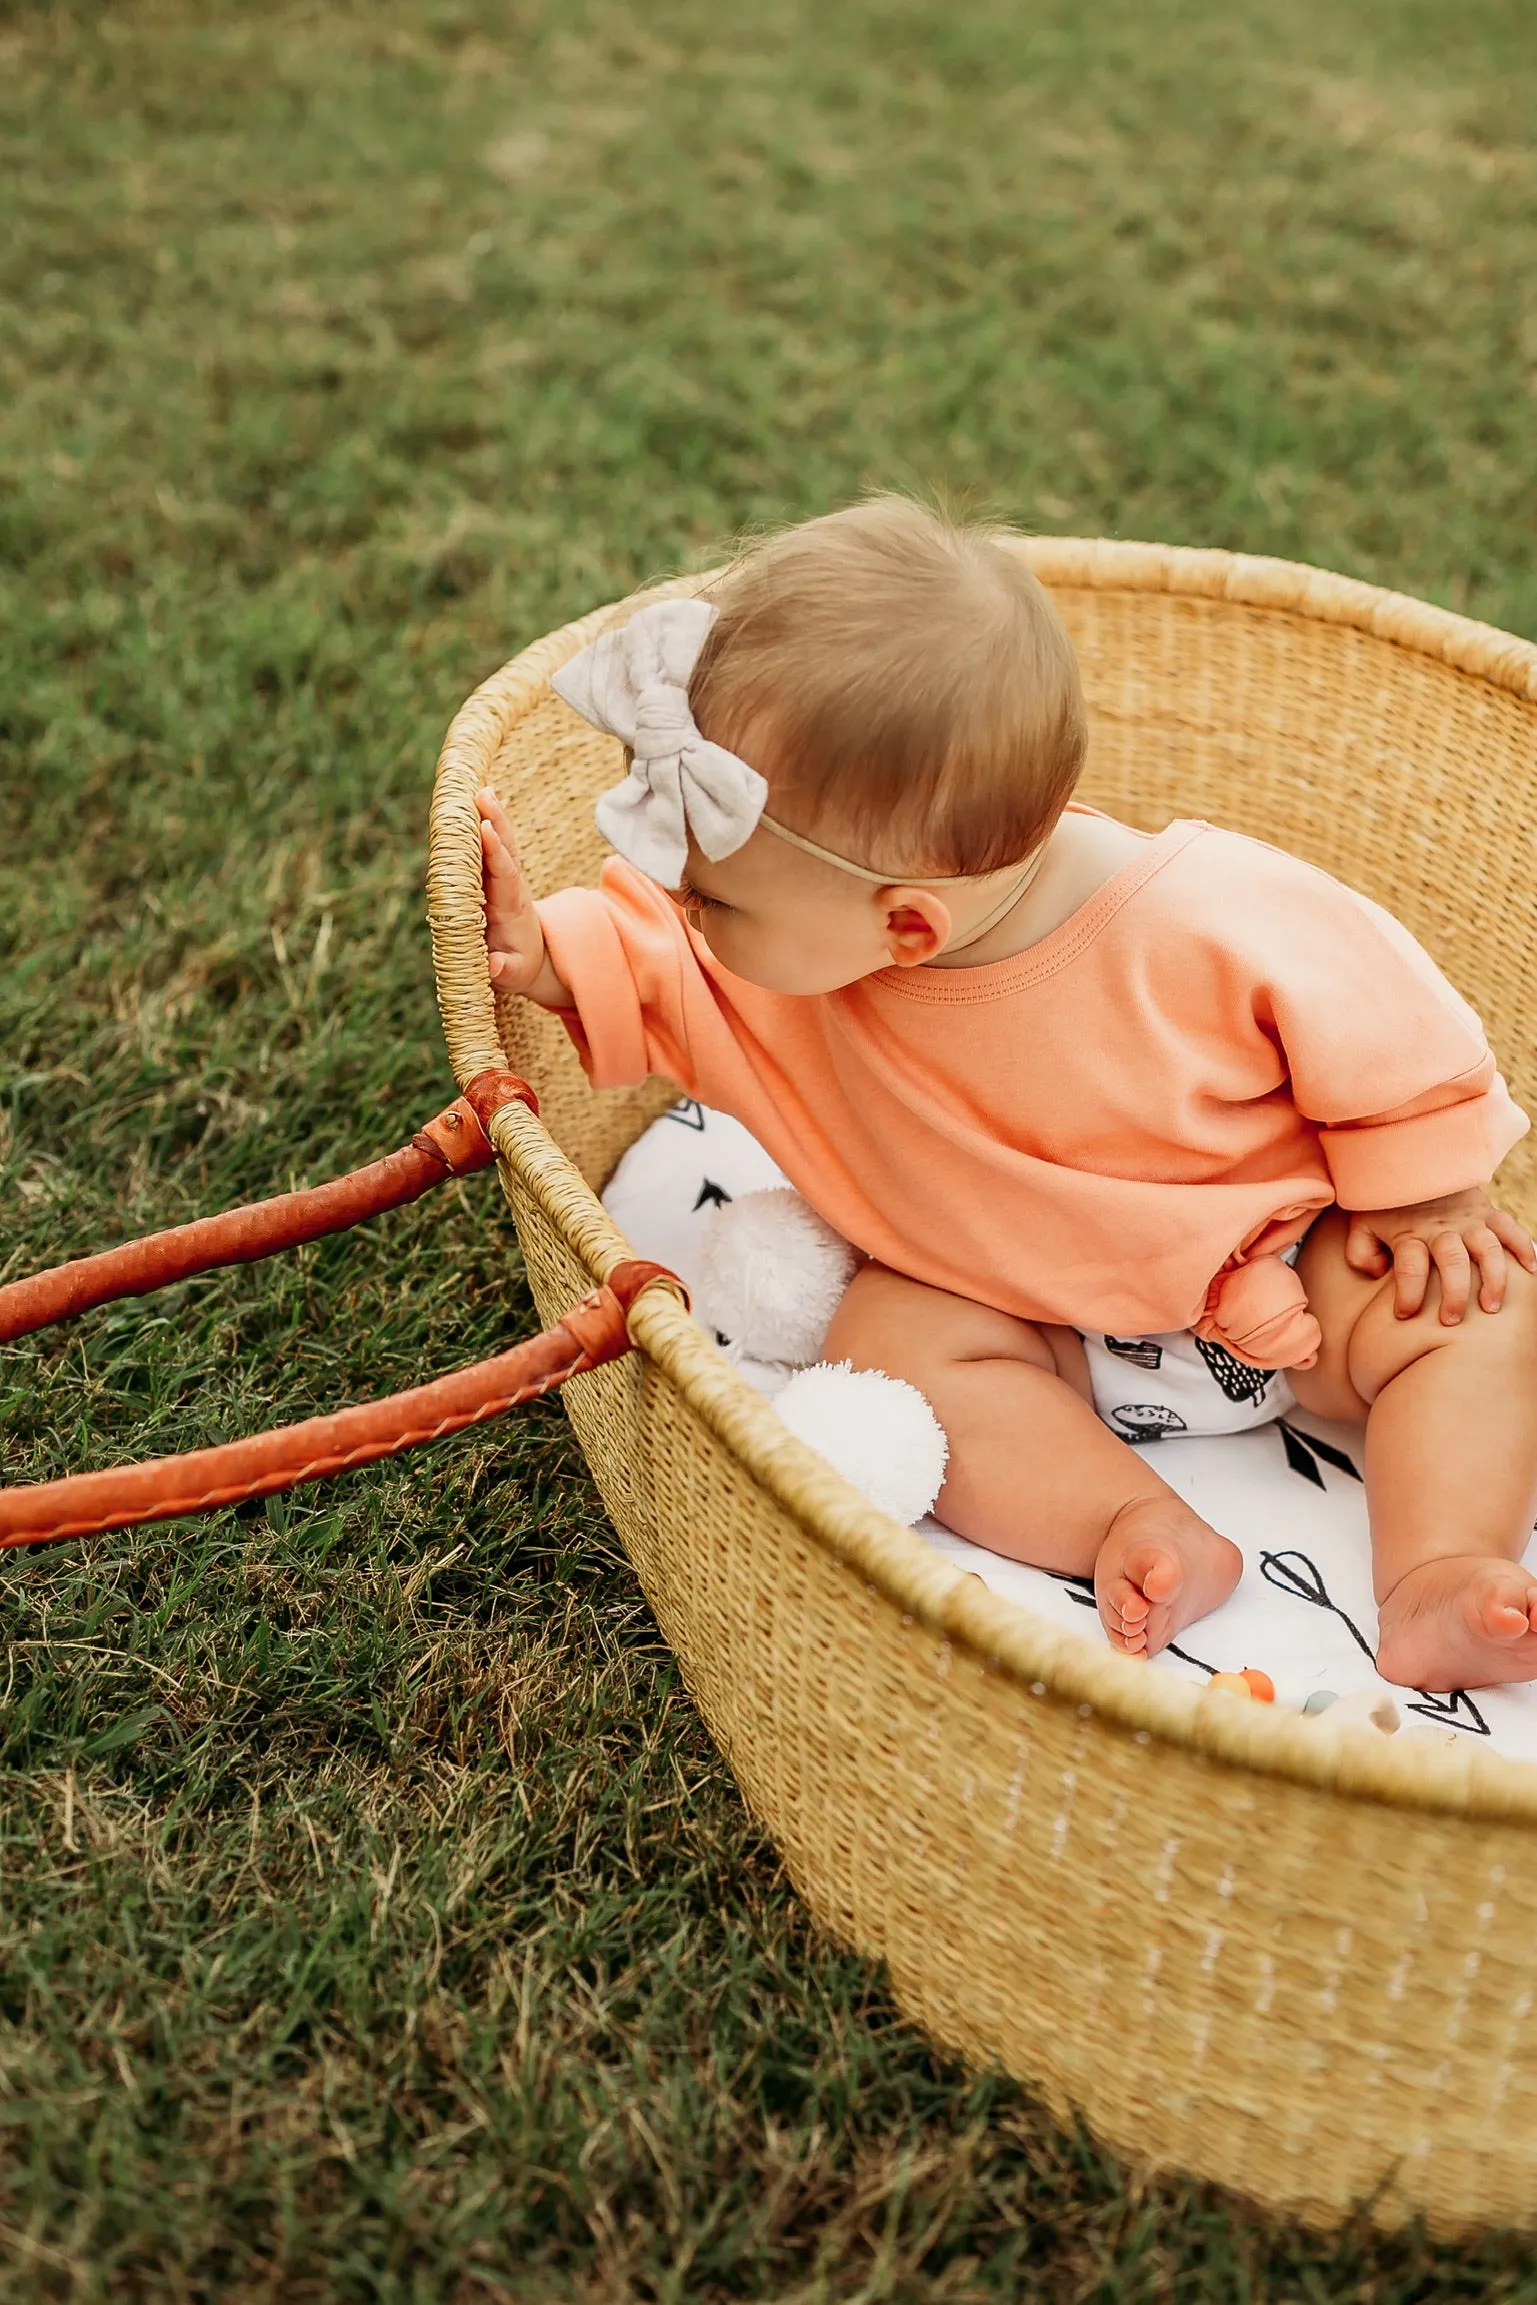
1411 1275
1514 1237
496 826
1364 1252
488 802
501 862
1455 1267
1486 1252
507 898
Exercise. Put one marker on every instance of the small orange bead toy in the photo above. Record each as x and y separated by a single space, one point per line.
1251 1682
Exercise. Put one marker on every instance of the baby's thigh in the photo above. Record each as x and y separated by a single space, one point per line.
910 1330
1337 1297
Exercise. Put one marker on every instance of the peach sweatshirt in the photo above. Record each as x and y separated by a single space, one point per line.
1119 1128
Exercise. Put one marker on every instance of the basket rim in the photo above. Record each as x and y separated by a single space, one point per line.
1046 1663
1251 580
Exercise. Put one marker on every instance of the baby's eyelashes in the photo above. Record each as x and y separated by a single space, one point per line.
691 899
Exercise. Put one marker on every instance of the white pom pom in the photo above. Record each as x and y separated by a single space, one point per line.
771 1276
877 1431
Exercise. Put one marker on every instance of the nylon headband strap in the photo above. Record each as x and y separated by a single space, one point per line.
982 928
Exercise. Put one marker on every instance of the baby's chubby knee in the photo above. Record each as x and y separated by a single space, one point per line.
1366 1344
1383 1345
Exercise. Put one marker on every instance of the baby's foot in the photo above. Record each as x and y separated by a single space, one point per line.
1459 1624
1159 1568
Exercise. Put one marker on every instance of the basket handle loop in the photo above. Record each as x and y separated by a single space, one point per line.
455 1143
168 1488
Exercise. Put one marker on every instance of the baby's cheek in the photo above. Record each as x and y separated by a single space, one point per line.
750 950
746 949
722 932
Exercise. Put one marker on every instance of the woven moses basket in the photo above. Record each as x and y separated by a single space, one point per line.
1308 1972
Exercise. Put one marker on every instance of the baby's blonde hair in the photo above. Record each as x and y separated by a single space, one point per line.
903 681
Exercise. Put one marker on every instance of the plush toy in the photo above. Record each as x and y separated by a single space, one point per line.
772 1275
770 1281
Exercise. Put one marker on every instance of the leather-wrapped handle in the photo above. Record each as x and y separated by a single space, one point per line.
454 1143
168 1488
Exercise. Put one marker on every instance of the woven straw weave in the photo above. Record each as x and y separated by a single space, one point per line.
1304 1968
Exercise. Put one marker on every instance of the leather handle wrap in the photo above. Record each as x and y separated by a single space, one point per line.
454 1143
167 1488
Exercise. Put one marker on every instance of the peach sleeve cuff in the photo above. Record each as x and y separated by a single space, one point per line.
1420 1154
608 1023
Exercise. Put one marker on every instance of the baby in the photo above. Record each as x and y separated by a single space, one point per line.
1056 1078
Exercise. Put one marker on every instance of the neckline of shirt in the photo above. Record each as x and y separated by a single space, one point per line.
994 979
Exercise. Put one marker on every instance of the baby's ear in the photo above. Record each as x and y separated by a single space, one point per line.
917 925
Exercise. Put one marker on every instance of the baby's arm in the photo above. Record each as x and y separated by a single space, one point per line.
1393 1065
515 947
614 962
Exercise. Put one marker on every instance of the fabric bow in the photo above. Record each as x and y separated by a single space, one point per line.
633 682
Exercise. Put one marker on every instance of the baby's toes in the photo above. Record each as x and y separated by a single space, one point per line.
1155 1570
1124 1614
1507 1607
1130 1603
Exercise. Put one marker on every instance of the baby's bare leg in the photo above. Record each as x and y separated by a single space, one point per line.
1451 1465
1033 1473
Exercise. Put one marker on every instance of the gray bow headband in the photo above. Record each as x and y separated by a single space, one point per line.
633 683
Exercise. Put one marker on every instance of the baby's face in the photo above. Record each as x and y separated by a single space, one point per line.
784 920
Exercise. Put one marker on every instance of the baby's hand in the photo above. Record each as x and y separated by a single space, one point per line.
515 947
1454 1234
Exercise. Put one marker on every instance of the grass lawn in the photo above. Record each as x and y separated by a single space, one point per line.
375 1919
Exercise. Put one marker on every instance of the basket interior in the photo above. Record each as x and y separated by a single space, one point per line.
1405 777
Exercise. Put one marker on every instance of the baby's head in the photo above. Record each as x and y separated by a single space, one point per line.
904 688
